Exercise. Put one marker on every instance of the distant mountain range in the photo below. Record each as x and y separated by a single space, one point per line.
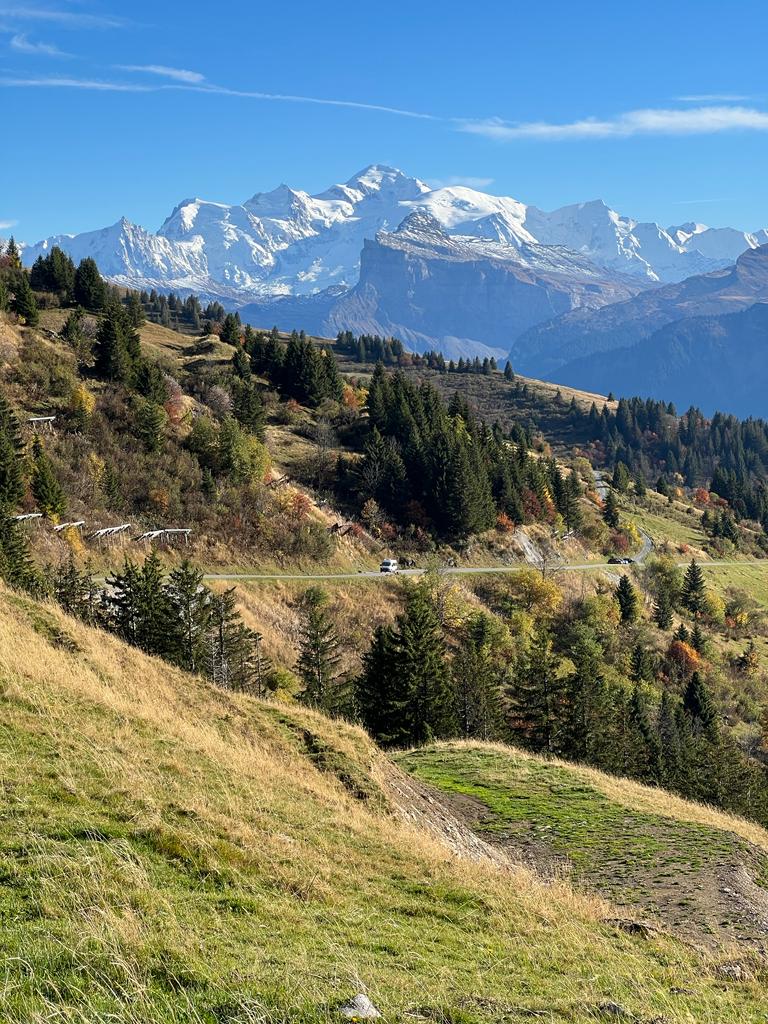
449 268
712 362
287 242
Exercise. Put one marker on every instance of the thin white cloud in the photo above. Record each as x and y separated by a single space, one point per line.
5 224
695 121
73 19
177 74
51 82
23 44
715 97
57 82
469 181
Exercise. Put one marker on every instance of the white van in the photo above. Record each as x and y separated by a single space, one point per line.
389 565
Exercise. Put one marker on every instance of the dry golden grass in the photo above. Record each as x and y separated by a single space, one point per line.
171 849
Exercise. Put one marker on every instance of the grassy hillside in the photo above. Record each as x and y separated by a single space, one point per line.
679 865
173 853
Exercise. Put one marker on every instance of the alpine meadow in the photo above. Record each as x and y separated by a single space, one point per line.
383 564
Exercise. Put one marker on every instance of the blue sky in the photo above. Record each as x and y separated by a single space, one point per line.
115 109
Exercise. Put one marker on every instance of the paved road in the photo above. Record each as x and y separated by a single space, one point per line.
478 570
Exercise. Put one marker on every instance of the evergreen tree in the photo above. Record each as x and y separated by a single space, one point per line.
694 588
537 696
626 595
24 304
89 289
16 566
420 661
699 707
662 610
477 681
382 695
319 651
45 487
230 330
150 422
190 606
509 373
611 511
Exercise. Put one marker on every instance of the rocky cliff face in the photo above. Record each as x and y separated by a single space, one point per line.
462 294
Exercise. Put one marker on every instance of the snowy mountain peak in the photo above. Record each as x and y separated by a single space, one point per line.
289 242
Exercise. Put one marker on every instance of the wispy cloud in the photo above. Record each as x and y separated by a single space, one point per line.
695 121
178 74
57 82
23 44
715 97
469 181
73 19
52 82
5 224
696 202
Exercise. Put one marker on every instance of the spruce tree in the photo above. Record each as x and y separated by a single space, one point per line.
420 659
626 595
16 566
611 511
536 695
190 606
662 610
45 487
382 695
699 707
150 424
89 289
24 304
694 588
477 681
319 651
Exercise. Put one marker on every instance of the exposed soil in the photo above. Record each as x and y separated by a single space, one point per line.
715 903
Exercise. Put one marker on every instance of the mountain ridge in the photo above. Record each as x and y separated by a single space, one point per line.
287 241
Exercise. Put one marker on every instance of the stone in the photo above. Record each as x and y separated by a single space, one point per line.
360 1008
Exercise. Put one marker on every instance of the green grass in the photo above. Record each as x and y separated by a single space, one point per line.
171 853
552 813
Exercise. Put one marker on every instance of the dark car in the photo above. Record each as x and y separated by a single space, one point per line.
613 560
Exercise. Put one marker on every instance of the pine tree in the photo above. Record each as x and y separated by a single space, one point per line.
699 707
89 289
241 364
76 592
16 566
45 487
662 610
673 769
537 696
190 605
24 304
641 664
509 373
382 695
150 423
420 660
698 640
621 477
694 588
626 595
477 681
319 650
611 511
230 330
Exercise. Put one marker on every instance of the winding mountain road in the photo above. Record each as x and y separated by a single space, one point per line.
478 570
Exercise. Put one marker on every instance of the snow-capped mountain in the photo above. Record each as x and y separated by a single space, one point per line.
290 243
